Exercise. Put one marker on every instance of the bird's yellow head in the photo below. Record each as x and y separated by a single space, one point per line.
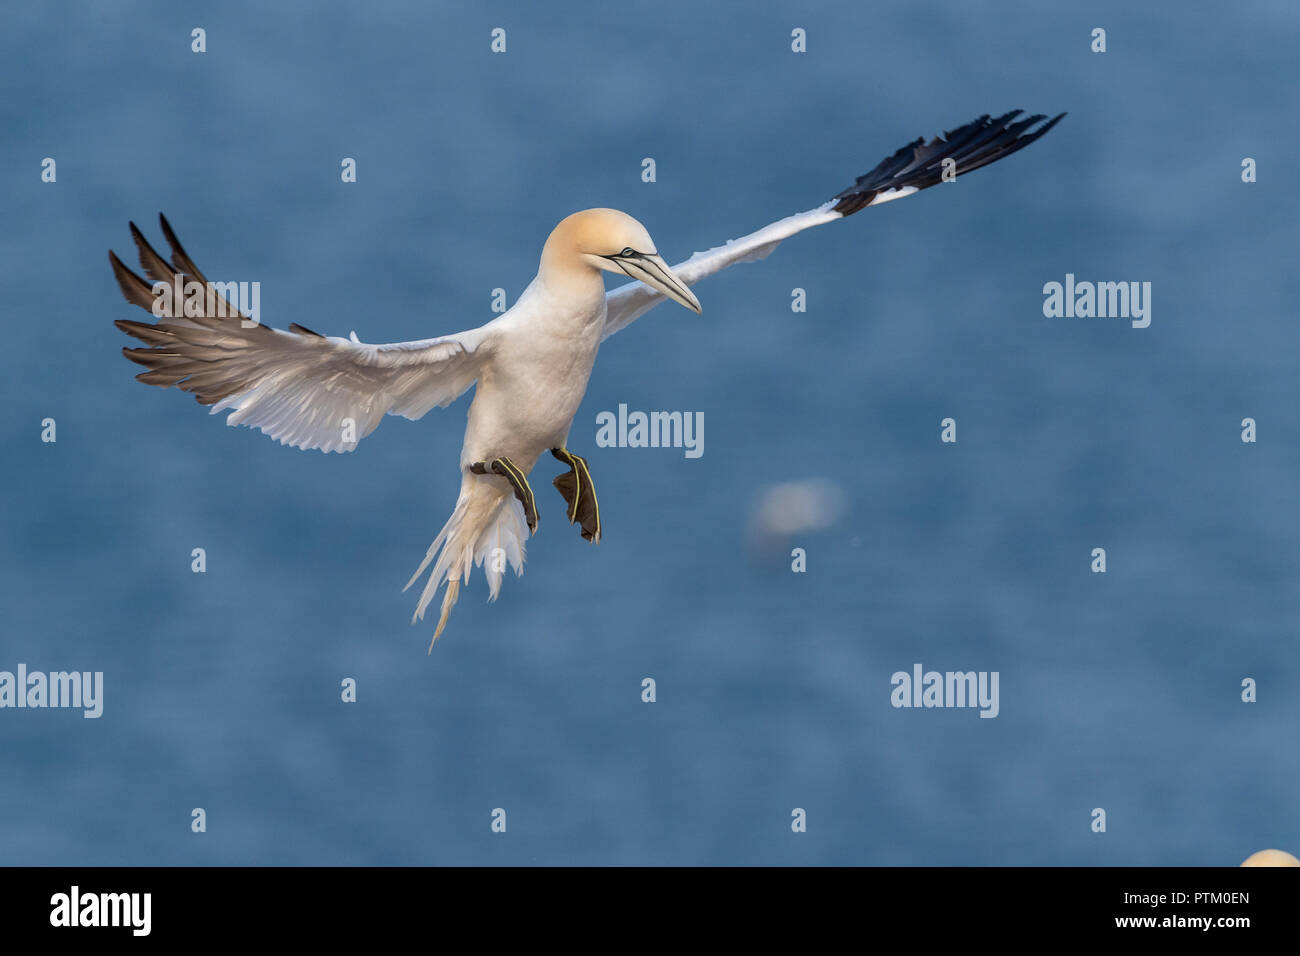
613 241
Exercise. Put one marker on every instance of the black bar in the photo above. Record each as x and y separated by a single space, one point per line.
335 905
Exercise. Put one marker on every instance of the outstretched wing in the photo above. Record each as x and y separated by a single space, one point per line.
301 388
918 165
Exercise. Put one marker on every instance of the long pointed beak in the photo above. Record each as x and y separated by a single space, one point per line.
654 272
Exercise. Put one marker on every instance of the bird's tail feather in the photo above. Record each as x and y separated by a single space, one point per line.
486 529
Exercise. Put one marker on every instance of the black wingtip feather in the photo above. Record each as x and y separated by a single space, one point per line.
134 289
150 334
180 258
920 164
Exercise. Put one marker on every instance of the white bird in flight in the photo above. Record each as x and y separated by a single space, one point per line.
531 363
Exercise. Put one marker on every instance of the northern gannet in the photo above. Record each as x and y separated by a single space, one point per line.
531 364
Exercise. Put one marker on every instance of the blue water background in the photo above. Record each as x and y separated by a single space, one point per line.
1119 691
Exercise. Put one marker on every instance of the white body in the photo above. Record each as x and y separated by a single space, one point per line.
542 352
536 360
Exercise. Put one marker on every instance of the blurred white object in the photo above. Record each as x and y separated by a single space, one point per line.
783 511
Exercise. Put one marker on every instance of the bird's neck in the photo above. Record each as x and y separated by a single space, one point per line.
566 301
568 281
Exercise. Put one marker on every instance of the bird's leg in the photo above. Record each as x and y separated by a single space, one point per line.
508 470
580 492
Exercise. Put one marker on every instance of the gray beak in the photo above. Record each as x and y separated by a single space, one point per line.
654 272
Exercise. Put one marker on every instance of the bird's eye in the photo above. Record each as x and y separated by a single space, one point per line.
628 253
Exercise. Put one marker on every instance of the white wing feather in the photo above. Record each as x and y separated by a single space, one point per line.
628 303
303 389
302 393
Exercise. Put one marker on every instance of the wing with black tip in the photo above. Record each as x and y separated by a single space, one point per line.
916 166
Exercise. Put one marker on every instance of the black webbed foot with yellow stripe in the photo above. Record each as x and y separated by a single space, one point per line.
580 493
511 473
